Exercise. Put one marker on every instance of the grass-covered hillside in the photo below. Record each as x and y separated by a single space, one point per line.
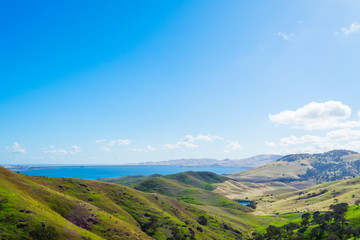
317 198
339 221
203 180
63 208
186 193
241 190
196 188
315 168
282 212
128 180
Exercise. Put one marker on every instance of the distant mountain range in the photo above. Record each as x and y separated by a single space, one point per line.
251 162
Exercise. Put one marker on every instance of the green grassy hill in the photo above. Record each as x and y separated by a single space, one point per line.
204 180
208 201
186 193
317 198
64 208
233 189
128 180
315 168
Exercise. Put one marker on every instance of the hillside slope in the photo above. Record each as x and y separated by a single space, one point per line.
317 198
63 208
241 190
128 180
316 168
203 180
195 193
186 193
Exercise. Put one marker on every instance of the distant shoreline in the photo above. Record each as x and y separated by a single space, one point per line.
92 172
40 167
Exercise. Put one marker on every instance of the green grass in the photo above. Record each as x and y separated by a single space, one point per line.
353 214
128 180
317 198
81 209
186 193
203 180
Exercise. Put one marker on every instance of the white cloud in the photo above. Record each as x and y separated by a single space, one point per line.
150 148
146 149
208 138
16 148
76 149
233 145
359 114
189 141
330 114
53 150
354 27
270 144
108 146
307 139
343 134
338 139
353 145
285 36
118 142
319 148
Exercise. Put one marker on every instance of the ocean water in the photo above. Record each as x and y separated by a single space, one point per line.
96 172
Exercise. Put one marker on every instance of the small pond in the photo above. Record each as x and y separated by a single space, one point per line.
245 203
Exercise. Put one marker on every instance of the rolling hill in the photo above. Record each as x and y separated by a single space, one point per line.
65 208
317 198
311 168
128 180
203 180
186 193
277 200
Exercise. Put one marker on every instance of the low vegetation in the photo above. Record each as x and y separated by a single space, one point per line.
189 205
128 180
317 198
334 224
302 170
63 208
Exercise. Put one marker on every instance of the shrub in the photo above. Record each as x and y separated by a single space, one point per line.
44 232
202 220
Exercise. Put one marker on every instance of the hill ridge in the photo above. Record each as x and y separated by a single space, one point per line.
253 161
316 168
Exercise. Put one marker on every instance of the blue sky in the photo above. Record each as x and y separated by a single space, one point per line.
94 82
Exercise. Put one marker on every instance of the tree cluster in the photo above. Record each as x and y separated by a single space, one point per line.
327 225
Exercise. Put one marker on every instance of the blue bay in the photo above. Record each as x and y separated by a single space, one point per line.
96 172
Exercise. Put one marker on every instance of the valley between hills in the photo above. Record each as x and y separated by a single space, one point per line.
301 196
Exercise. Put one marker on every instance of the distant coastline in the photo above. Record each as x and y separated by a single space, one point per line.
92 172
